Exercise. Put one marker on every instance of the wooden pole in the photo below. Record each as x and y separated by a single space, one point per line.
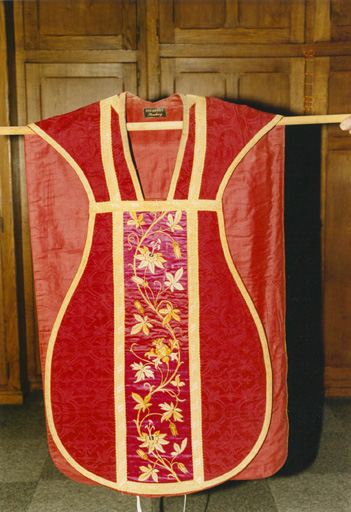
177 125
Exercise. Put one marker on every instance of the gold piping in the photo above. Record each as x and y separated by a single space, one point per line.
119 104
199 148
186 205
181 149
262 336
243 152
84 181
194 346
106 150
119 348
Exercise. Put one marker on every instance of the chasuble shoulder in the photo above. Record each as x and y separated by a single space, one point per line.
158 263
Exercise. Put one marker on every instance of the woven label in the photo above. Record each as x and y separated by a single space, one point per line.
155 112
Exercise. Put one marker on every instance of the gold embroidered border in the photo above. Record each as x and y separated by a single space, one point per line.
243 152
153 206
119 348
194 346
119 104
199 148
106 150
181 149
68 159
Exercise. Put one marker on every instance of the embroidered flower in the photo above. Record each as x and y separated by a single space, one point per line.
182 467
150 259
139 307
136 221
143 324
142 403
153 441
169 313
140 281
177 383
176 249
161 351
173 222
173 428
147 472
173 281
173 356
142 454
142 371
171 410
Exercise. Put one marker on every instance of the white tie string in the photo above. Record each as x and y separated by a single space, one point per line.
138 504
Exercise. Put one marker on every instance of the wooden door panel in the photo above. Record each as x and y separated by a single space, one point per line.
54 89
82 24
231 21
263 83
337 273
191 14
339 101
266 88
337 230
340 13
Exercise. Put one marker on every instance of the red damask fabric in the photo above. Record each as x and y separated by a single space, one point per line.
191 418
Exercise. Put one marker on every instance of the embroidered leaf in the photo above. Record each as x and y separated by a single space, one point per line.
183 445
147 472
142 403
173 223
173 281
177 216
176 450
177 382
142 371
171 410
143 324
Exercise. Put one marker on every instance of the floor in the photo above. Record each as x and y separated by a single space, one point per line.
29 482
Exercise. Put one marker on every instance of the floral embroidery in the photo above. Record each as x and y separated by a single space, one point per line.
173 281
143 371
173 222
150 259
142 324
136 221
147 472
158 367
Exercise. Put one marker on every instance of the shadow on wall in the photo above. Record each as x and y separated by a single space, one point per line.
303 295
303 290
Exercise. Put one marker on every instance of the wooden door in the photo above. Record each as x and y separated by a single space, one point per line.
68 54
73 53
10 384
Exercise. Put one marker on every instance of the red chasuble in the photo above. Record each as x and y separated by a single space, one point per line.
159 275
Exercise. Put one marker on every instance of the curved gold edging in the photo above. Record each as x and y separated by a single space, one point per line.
243 152
106 150
153 206
262 336
68 159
